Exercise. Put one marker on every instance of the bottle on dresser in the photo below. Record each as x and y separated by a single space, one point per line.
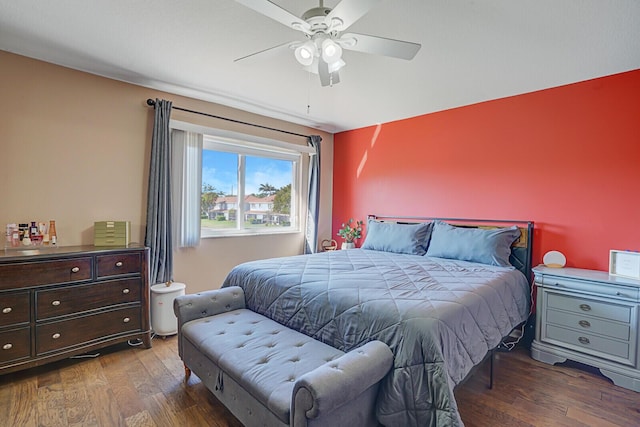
53 235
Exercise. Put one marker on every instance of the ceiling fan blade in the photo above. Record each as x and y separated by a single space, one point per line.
265 52
275 12
379 45
327 78
349 11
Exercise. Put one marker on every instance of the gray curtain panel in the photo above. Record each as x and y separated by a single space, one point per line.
158 232
311 236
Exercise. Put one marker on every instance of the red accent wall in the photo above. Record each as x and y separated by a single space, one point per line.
567 158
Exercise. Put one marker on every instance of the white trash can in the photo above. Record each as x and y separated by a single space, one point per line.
163 320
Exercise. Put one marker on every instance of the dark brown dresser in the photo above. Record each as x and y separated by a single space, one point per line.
57 302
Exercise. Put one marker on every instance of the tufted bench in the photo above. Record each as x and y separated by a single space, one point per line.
269 375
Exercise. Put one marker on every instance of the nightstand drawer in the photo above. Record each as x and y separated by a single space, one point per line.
22 275
15 344
594 288
14 308
76 299
589 324
85 329
115 265
585 306
609 349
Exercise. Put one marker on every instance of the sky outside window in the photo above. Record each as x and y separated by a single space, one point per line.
220 169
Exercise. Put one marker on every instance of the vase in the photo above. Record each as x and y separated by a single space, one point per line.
348 245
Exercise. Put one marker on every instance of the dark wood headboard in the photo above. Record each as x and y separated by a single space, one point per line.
521 251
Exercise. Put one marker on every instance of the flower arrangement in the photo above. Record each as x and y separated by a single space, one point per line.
351 232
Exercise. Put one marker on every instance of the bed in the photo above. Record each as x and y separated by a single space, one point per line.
441 293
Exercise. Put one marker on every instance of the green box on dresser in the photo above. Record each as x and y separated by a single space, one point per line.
58 302
111 233
590 317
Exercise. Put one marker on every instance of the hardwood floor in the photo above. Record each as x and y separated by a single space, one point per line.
127 386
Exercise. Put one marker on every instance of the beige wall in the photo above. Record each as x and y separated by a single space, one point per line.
74 147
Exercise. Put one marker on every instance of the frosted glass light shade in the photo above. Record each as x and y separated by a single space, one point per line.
331 51
306 53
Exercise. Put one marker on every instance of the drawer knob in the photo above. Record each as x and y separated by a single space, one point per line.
55 303
584 323
8 346
125 291
55 336
7 310
585 307
584 340
119 264
126 320
75 269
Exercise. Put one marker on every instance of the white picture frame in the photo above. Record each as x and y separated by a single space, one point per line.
624 264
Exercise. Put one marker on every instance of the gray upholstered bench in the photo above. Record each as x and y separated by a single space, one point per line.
269 375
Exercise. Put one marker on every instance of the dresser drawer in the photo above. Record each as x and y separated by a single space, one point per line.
83 329
576 304
14 308
117 264
75 299
618 351
22 275
15 344
589 324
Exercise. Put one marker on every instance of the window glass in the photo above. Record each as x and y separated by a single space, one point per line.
247 191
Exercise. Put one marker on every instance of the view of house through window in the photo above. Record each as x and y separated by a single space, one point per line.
247 190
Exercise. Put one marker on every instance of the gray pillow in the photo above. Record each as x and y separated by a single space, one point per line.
491 247
398 238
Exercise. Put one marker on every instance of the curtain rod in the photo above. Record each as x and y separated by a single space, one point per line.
152 103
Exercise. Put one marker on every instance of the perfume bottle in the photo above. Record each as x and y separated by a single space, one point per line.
26 239
53 237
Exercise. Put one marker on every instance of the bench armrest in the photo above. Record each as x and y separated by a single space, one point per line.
209 303
337 382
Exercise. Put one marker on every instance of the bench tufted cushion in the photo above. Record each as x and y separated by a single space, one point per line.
263 356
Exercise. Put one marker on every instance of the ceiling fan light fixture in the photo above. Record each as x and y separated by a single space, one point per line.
331 51
337 65
305 53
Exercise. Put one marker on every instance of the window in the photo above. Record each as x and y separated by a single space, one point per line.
248 189
236 185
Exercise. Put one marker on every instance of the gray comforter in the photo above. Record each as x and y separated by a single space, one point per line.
439 317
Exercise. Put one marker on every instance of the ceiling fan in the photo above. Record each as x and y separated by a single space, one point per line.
321 52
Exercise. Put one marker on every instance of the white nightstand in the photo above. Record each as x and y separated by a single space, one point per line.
590 317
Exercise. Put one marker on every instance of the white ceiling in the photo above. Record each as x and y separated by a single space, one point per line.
472 51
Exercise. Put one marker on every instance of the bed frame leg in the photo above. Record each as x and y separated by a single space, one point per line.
187 373
493 352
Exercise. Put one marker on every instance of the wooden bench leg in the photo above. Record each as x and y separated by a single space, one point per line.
187 373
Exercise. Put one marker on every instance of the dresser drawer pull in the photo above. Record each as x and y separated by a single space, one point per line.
125 291
75 269
584 323
55 303
119 264
55 336
8 346
7 310
126 320
585 307
584 340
